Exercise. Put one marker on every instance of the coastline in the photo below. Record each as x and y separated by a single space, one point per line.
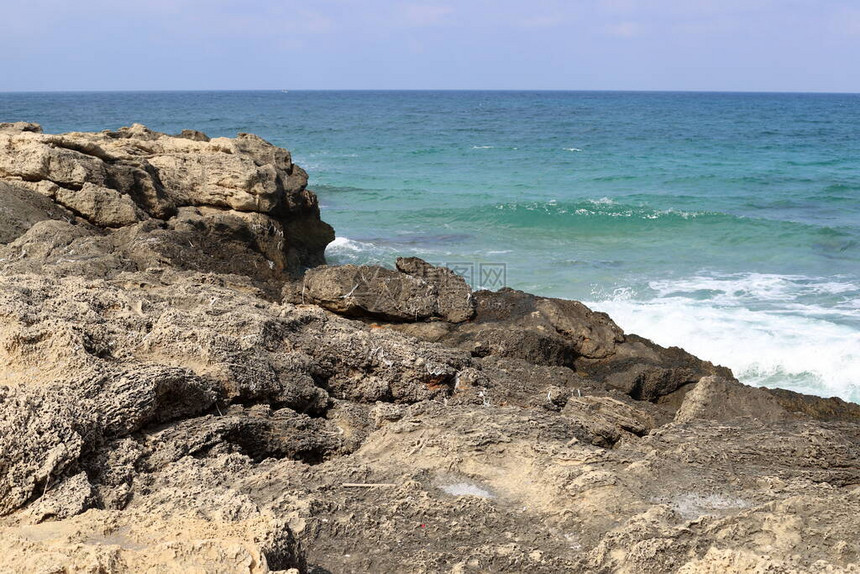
185 383
741 210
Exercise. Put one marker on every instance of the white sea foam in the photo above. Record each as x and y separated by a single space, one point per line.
602 201
482 147
347 244
572 149
344 250
608 207
756 324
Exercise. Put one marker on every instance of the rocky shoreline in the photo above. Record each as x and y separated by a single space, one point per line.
185 384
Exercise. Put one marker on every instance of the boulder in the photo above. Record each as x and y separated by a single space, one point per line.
100 206
417 291
544 331
454 301
718 399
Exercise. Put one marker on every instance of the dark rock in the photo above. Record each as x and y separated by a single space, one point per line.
647 371
71 497
193 135
257 432
543 331
20 208
282 549
818 408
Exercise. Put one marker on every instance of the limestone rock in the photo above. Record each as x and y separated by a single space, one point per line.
830 409
454 301
116 179
111 541
100 205
20 127
544 331
647 371
417 291
72 497
715 398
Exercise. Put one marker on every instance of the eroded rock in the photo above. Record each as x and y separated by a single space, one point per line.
718 399
244 190
416 291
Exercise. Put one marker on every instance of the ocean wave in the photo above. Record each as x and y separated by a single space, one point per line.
838 188
427 151
771 330
603 201
620 216
741 288
344 250
347 244
385 250
602 207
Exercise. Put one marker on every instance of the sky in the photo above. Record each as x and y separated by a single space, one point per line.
718 45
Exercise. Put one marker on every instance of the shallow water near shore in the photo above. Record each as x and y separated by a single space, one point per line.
728 224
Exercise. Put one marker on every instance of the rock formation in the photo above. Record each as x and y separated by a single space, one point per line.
176 392
134 199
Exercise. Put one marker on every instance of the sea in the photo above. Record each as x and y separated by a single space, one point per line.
724 223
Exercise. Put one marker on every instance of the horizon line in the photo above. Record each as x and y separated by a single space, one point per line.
500 90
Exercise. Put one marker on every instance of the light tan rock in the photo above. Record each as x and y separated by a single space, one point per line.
370 291
100 205
117 179
113 542
718 399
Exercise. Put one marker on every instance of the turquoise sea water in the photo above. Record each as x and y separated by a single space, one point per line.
728 224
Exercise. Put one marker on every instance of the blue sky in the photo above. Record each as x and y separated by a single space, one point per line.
732 45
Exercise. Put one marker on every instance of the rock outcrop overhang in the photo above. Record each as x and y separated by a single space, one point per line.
184 384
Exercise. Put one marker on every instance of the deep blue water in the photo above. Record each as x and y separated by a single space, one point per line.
728 224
